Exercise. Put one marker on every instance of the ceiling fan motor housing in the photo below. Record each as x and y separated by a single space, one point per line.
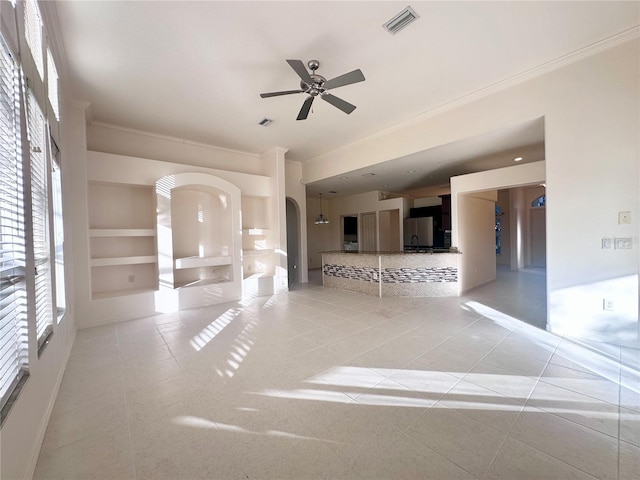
317 87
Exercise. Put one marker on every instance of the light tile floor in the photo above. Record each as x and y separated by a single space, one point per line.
320 383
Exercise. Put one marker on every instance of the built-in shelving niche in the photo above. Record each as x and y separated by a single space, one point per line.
122 239
199 238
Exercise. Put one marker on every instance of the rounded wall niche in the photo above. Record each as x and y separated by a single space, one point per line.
199 239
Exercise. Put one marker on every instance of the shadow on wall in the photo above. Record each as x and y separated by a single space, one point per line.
594 311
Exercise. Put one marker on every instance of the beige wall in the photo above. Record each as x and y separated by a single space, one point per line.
592 119
296 191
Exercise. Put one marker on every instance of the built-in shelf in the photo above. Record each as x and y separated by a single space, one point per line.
255 231
122 232
202 282
111 261
195 262
122 239
250 276
120 293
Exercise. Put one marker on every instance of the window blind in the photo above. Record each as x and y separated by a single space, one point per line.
13 304
58 227
40 216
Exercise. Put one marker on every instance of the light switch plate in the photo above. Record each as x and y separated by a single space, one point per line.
622 243
624 218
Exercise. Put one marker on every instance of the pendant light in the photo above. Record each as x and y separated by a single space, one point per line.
321 219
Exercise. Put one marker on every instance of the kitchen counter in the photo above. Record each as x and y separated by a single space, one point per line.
426 250
393 274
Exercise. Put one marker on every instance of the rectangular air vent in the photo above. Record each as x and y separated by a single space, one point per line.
265 121
401 20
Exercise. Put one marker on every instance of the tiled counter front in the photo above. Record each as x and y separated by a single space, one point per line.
403 275
351 271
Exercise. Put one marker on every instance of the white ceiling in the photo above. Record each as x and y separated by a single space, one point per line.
194 70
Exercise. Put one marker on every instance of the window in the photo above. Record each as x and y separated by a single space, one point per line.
40 218
541 201
33 33
52 84
58 231
13 304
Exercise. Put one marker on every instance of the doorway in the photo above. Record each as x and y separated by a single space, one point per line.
350 232
293 242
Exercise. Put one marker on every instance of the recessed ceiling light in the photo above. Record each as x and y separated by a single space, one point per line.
385 186
344 178
411 171
518 159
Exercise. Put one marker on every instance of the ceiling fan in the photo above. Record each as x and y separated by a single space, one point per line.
316 85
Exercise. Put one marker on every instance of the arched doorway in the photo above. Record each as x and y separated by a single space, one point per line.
293 241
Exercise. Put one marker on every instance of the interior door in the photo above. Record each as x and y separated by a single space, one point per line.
368 232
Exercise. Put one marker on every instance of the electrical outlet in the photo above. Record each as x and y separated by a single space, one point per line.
607 243
132 278
607 304
622 243
624 218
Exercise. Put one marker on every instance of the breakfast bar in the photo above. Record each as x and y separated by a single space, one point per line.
393 274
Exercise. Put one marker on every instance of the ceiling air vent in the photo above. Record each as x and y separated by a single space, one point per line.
265 121
401 20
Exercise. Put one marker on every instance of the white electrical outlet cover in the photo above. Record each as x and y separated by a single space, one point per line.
607 243
624 218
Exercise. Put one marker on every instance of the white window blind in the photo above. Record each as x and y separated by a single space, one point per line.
33 33
52 84
58 230
13 304
40 216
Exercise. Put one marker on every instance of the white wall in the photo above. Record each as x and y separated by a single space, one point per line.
592 118
112 139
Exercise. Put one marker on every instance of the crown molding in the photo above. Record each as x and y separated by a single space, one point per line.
550 66
174 139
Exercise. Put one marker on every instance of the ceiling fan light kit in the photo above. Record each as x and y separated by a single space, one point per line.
315 85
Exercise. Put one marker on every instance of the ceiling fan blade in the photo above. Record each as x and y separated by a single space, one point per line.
346 79
304 111
301 70
346 107
276 94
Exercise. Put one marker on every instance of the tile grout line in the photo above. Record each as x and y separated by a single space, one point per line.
524 406
128 410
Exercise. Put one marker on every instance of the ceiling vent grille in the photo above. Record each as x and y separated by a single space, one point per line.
265 121
401 20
